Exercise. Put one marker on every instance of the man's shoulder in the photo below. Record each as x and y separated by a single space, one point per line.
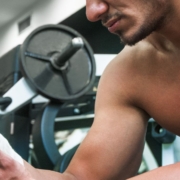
129 62
136 58
131 68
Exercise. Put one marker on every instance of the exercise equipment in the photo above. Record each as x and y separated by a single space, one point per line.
57 63
15 126
63 163
45 148
166 139
53 118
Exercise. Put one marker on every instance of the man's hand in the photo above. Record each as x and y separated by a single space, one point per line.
11 169
11 164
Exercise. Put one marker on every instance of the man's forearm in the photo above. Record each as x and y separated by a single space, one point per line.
39 174
169 172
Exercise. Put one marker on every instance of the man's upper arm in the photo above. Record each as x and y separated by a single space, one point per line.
116 138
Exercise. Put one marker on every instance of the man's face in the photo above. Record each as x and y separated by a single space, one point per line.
131 20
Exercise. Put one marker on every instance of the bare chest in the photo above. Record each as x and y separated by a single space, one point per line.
161 96
164 107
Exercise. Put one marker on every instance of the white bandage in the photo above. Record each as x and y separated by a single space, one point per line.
6 148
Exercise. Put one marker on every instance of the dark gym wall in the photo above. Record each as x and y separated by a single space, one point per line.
100 39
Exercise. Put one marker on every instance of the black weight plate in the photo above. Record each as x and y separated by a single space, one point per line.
47 80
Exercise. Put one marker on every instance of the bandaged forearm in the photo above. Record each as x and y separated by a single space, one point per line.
7 149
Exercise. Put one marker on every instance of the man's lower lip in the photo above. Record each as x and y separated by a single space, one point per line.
113 28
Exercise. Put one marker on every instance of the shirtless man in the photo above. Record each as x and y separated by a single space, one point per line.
143 81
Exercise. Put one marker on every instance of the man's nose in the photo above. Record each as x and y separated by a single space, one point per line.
95 9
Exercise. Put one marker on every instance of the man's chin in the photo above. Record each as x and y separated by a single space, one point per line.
131 40
128 41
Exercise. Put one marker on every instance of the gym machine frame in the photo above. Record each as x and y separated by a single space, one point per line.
57 63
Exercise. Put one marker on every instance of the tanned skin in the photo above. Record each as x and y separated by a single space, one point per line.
143 81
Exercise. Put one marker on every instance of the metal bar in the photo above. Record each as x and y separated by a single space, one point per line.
20 94
75 118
